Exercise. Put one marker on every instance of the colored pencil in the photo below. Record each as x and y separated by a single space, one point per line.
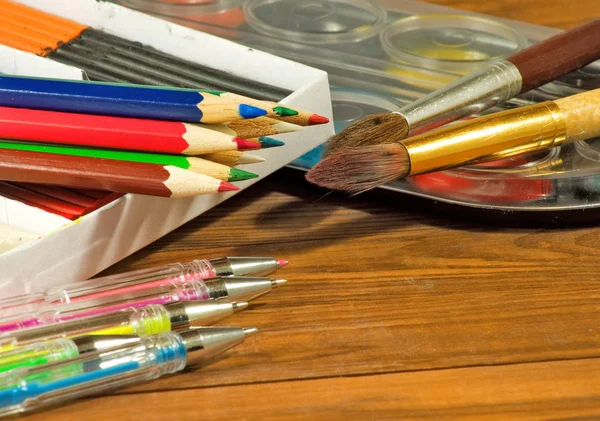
198 165
94 194
7 191
278 111
106 174
267 142
137 101
60 193
116 132
23 194
35 22
233 158
257 127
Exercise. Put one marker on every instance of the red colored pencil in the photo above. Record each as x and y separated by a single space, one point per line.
108 198
39 201
59 193
94 194
116 132
106 174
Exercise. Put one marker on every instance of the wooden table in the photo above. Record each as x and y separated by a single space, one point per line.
392 310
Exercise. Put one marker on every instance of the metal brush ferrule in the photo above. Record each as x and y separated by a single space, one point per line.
471 94
503 134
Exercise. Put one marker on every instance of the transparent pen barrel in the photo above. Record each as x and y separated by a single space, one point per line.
169 285
37 354
92 373
144 321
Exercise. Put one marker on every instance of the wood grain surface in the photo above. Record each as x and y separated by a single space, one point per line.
396 308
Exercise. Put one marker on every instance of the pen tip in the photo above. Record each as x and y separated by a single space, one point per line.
250 331
282 263
278 282
239 305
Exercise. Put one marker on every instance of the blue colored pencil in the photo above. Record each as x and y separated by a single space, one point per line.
138 101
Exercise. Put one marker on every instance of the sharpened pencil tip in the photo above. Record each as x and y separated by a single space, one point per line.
282 263
250 159
269 142
246 144
235 174
249 111
239 306
250 331
317 119
282 111
276 283
226 186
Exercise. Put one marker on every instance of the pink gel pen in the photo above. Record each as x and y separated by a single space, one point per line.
236 288
161 285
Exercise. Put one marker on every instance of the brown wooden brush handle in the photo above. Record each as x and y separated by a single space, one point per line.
559 55
582 115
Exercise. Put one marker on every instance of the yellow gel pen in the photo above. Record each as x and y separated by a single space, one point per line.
144 321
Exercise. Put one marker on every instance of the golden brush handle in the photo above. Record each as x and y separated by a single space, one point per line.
507 133
503 134
582 115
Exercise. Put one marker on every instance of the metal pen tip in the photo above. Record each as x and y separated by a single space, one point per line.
250 331
275 283
239 305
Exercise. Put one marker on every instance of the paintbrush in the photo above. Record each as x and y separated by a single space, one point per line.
479 90
487 138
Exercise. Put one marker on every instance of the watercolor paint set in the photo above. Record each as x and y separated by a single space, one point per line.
64 234
381 55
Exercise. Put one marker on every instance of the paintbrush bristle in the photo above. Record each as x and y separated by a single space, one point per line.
376 129
360 169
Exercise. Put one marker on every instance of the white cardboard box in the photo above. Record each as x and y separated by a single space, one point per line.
73 251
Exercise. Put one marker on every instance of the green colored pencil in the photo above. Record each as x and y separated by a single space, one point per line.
198 165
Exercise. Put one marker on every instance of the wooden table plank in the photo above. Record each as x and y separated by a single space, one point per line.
397 291
557 13
552 390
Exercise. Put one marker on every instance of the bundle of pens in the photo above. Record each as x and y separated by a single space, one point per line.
102 334
410 143
147 122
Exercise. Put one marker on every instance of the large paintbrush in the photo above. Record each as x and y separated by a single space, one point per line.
479 90
491 137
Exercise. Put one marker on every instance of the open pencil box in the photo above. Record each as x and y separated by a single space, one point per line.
69 251
383 54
